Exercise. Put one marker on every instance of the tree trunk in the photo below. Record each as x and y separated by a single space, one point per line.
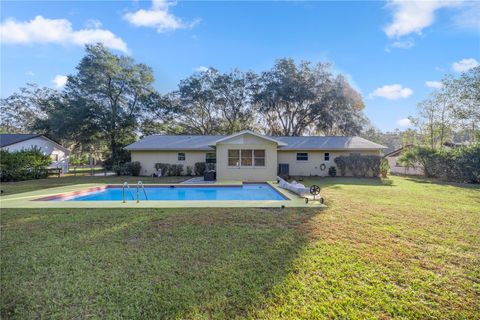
113 148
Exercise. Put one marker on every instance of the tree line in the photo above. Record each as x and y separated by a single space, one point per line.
110 100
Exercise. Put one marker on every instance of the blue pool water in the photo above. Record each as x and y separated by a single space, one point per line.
244 192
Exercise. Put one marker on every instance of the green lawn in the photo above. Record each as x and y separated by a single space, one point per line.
410 250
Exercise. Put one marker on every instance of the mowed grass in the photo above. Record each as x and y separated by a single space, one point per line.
410 251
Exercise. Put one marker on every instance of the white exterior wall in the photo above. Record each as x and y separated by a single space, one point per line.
396 168
311 167
47 147
148 159
250 174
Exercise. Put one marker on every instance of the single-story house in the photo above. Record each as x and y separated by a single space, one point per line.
17 142
398 168
249 156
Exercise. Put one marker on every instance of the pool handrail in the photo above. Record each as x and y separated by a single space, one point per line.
125 184
140 184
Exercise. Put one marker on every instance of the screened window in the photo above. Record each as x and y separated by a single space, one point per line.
326 156
181 156
211 157
302 156
259 158
233 157
247 157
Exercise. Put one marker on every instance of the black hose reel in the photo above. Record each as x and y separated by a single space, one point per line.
314 191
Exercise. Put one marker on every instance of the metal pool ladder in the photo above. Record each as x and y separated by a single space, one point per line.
140 185
125 185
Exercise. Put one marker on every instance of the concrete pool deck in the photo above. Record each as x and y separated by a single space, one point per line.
29 199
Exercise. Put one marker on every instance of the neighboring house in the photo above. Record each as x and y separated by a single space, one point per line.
16 142
397 168
249 156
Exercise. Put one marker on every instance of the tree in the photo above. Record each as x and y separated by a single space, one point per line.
296 99
195 106
110 93
233 97
21 110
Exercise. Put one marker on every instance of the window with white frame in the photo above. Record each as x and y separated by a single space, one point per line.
259 158
326 156
181 156
233 157
246 157
302 156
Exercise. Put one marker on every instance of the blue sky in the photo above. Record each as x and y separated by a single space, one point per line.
389 50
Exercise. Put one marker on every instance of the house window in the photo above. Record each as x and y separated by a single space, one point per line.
259 158
54 157
181 156
302 156
233 157
246 158
326 156
210 157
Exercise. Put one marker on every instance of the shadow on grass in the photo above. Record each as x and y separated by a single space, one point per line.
337 181
441 182
177 263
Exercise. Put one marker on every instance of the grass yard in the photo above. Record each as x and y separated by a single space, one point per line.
410 250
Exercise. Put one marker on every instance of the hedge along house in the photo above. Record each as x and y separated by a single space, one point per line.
249 156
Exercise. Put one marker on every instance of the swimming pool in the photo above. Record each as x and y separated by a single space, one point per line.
253 192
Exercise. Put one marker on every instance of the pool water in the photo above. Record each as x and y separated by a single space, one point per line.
164 193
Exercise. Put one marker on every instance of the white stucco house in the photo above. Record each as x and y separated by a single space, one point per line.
16 142
398 168
249 156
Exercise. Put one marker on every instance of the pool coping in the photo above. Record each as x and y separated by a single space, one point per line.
166 186
27 199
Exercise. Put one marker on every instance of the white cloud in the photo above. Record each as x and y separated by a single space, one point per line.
202 69
392 92
93 24
468 16
414 16
405 122
58 31
60 81
465 65
434 84
405 44
158 17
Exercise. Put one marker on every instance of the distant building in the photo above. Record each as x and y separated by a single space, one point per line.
17 142
397 168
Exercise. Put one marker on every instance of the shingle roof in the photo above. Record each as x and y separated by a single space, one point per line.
177 142
328 143
183 142
7 139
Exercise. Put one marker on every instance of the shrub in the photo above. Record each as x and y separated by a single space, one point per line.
23 165
200 168
384 167
176 169
332 171
134 168
121 169
164 168
189 171
359 165
169 170
462 164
